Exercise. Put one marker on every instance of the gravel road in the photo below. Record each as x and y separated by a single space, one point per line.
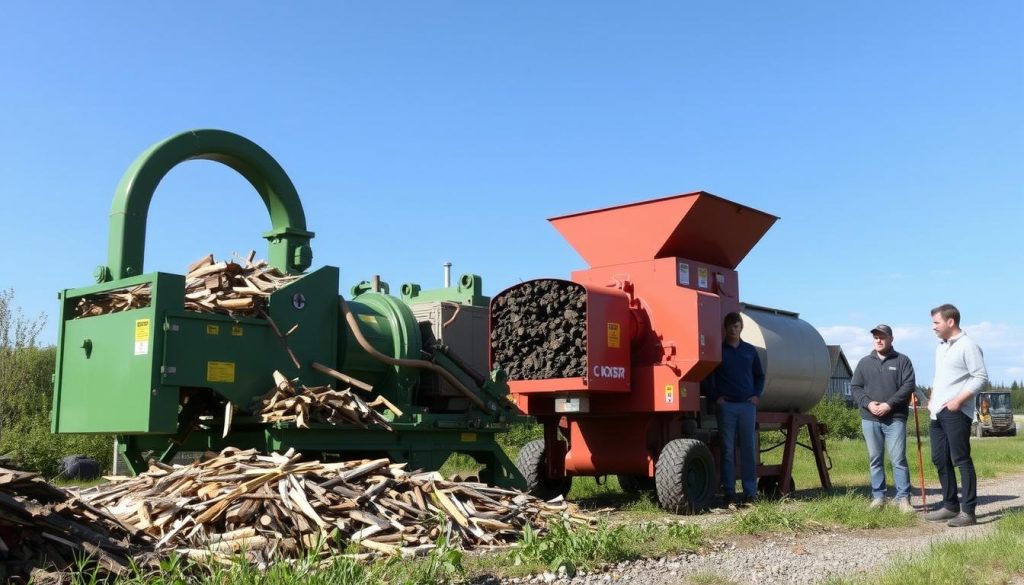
805 558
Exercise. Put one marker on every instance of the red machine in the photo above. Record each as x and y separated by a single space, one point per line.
661 278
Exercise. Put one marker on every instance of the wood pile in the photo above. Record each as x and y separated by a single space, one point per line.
239 289
540 330
227 287
320 404
44 528
269 507
115 301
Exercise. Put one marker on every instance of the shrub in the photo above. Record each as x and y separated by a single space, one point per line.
518 435
843 422
26 391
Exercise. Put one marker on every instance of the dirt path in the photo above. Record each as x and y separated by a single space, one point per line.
811 557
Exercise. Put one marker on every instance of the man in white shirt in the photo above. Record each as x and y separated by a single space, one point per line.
959 375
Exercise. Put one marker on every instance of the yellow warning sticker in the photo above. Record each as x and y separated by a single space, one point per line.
468 437
670 392
213 329
220 372
142 330
237 331
614 335
371 319
141 336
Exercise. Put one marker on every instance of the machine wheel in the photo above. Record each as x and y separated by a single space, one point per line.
636 484
771 488
684 474
532 463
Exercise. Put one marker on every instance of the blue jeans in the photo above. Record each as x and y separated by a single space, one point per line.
893 436
736 421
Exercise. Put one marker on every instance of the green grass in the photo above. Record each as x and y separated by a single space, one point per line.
994 558
576 548
78 483
443 565
847 510
993 457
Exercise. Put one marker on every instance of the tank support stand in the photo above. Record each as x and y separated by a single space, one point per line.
790 424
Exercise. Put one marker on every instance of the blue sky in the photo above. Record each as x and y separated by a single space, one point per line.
889 138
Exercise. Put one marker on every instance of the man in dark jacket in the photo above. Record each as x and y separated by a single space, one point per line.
736 386
882 384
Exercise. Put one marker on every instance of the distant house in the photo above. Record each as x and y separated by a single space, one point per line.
842 373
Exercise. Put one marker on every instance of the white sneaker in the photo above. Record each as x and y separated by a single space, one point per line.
876 503
905 506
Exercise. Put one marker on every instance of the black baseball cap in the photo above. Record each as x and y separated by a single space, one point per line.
883 329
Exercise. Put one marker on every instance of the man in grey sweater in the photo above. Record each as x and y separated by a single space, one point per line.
882 384
959 375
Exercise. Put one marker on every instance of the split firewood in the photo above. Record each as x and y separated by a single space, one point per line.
289 508
288 402
44 529
232 288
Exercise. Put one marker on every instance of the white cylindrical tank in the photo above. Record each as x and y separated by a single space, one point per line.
794 357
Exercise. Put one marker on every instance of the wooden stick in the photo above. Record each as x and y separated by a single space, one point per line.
343 377
282 339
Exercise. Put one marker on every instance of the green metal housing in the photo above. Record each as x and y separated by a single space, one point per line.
160 377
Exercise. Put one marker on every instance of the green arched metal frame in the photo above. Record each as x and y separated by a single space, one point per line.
288 248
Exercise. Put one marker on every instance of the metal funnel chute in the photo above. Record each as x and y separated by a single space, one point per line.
698 226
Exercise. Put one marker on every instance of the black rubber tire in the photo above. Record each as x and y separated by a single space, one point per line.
685 475
770 488
636 484
532 463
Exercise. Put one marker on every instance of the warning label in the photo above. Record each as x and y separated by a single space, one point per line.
141 336
220 372
613 334
670 394
213 329
237 330
683 278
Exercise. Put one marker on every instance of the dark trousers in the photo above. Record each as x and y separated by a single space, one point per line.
951 447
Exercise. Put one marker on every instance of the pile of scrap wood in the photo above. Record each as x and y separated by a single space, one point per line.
227 287
276 506
43 528
304 405
235 288
126 299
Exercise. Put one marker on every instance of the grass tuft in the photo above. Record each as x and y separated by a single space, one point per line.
768 517
850 510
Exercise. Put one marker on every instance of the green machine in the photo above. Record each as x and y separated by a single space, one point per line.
163 379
